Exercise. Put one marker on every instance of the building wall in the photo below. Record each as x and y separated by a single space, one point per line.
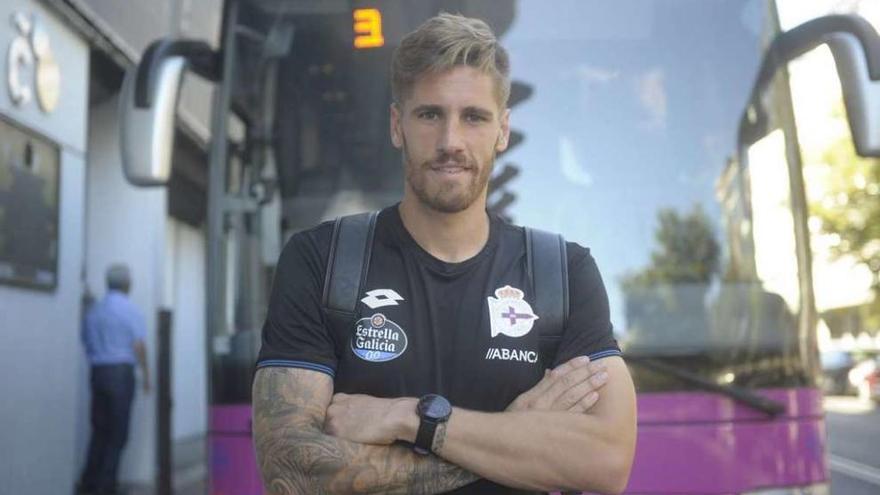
186 268
40 356
167 258
102 220
126 224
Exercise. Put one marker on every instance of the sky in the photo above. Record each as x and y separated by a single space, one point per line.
632 111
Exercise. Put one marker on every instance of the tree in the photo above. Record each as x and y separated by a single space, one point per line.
850 209
686 251
664 301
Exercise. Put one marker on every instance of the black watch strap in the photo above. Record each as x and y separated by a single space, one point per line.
432 409
425 436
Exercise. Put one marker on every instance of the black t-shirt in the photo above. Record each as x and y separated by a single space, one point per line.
461 330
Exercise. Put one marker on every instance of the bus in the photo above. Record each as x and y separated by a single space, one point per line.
659 134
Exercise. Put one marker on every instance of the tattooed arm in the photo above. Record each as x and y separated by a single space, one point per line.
297 457
549 439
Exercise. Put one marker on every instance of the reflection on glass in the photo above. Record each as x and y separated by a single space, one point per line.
631 149
665 301
773 223
625 119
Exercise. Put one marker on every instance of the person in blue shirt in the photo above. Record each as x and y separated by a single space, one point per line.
113 336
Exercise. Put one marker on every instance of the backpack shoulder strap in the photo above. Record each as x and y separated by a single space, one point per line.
348 261
547 268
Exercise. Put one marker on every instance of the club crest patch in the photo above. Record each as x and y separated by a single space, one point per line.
378 339
509 313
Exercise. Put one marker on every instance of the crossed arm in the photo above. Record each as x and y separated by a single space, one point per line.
297 457
555 436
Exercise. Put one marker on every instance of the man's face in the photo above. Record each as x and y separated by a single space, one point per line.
450 128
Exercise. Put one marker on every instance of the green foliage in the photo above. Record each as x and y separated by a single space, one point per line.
686 251
851 206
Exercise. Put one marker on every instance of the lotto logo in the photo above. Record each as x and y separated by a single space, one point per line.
380 298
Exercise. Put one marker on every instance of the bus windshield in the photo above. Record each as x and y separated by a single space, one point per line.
625 119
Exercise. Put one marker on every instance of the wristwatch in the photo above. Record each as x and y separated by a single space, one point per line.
432 409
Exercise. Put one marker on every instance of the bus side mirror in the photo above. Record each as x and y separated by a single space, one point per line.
861 94
148 104
855 45
148 132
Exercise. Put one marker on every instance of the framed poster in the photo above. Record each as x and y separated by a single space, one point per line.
29 197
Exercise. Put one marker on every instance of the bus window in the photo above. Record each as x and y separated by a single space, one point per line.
625 141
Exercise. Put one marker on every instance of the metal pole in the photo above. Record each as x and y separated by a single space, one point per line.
163 405
217 166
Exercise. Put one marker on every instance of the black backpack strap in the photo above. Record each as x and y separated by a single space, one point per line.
347 263
547 268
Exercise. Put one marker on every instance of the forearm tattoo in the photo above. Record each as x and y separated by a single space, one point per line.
439 438
296 457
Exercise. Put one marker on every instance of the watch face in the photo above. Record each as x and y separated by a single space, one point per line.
434 407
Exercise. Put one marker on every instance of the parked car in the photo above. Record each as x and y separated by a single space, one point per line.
865 378
836 366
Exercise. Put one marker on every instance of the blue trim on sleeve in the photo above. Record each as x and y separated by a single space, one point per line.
283 363
604 354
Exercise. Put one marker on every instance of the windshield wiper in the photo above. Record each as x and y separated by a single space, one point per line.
739 394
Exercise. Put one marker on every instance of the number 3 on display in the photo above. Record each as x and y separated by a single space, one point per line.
368 28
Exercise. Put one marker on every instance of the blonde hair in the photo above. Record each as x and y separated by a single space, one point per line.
444 42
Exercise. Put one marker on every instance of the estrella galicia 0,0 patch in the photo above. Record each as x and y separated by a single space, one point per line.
378 339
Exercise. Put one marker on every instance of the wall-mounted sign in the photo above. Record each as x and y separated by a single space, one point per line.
28 208
31 65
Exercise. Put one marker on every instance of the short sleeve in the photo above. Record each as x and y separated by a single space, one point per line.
295 333
589 331
139 325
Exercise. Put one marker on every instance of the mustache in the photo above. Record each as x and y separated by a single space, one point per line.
446 159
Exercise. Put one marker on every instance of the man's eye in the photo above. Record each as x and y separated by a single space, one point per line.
473 117
429 115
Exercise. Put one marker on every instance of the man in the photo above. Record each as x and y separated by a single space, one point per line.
445 311
113 335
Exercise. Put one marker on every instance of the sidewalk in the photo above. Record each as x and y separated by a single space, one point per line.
181 487
190 470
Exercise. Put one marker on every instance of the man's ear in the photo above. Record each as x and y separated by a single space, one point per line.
504 137
396 131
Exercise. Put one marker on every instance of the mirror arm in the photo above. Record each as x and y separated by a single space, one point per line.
796 42
200 57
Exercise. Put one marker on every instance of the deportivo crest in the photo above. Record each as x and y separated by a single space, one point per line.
510 314
378 339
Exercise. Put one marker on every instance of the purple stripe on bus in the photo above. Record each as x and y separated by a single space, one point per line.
234 465
725 458
231 418
688 443
707 443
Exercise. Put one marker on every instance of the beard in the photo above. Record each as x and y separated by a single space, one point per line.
446 196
